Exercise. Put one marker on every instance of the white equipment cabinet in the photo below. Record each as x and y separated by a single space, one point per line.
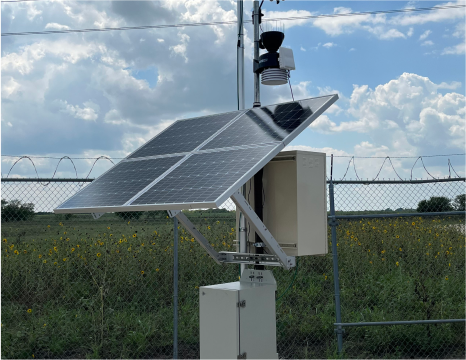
295 202
237 320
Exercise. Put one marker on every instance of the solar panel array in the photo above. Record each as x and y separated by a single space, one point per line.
198 162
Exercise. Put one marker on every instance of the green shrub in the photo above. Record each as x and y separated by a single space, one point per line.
435 204
459 202
15 210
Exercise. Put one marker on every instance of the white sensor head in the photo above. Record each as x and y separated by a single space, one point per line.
286 59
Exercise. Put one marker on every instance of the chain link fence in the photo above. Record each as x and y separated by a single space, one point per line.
398 266
75 287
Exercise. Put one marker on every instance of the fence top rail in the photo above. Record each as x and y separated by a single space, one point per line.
46 180
367 216
335 182
368 182
408 322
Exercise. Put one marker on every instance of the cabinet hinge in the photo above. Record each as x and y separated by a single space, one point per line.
242 356
241 304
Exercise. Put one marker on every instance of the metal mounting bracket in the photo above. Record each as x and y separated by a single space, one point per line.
286 261
199 237
252 259
173 213
95 216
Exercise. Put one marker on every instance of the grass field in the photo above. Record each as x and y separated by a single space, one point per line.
81 288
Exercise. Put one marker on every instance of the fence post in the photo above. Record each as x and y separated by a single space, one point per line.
175 288
336 276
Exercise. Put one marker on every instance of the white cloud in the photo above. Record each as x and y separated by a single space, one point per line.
160 40
427 17
352 49
9 86
427 43
425 34
389 34
460 48
410 32
287 14
181 48
87 112
57 26
407 114
302 49
329 45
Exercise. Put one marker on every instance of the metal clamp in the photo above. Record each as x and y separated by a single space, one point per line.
241 304
333 221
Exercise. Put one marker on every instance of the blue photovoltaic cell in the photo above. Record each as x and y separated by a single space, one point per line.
267 124
203 177
184 135
121 183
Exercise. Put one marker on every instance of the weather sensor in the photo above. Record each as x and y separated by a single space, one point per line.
275 65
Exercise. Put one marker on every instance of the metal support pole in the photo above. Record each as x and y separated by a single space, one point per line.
240 55
336 276
242 235
175 288
256 20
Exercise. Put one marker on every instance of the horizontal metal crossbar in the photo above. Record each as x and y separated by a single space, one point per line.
371 216
246 258
409 322
368 182
45 180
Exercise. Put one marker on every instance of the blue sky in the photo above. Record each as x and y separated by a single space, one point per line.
400 77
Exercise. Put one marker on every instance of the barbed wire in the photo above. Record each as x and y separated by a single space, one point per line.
450 166
56 168
232 22
351 160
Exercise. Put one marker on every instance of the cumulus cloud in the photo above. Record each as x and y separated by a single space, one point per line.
427 43
406 115
89 111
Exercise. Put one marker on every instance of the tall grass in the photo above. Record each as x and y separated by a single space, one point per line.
84 288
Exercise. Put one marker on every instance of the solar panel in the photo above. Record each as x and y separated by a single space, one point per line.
203 177
267 124
198 163
120 183
184 136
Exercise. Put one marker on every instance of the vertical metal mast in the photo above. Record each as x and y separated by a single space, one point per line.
242 236
240 56
256 19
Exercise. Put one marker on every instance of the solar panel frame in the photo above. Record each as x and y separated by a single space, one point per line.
279 145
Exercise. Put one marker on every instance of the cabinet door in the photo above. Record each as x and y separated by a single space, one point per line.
257 323
218 323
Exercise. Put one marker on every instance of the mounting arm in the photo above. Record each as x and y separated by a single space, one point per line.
196 234
278 258
286 261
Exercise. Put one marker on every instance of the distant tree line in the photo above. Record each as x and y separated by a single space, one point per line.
16 210
442 204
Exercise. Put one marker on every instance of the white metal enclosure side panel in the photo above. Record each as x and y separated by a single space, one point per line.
312 203
218 322
258 322
280 205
